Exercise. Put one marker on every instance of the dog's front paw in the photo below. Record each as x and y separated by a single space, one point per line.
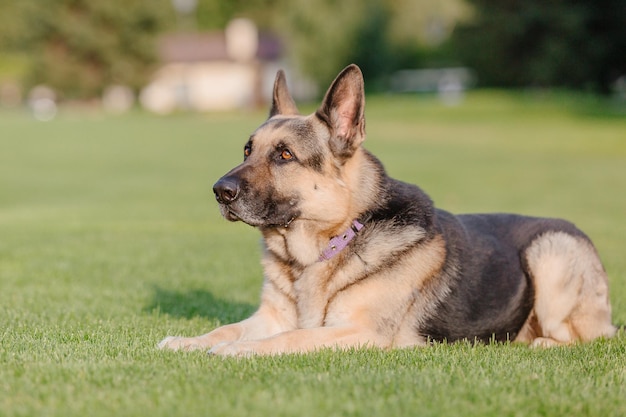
545 342
180 343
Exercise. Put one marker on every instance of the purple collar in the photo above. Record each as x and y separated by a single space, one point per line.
339 243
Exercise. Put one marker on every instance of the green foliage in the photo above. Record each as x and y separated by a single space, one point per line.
215 14
568 43
324 35
79 47
13 65
112 240
11 25
378 35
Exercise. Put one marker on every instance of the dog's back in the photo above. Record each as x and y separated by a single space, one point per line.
497 269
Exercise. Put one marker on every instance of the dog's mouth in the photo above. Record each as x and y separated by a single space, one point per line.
265 221
232 216
257 205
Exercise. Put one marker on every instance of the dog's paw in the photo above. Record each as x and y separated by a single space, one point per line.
544 342
180 343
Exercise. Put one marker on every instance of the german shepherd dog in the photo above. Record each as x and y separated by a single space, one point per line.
355 258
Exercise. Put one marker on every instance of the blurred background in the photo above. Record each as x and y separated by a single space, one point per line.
205 55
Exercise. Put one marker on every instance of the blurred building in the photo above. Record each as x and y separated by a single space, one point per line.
216 71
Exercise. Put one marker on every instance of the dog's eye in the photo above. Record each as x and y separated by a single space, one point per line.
286 155
247 150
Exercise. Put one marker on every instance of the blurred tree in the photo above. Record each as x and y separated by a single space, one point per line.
78 47
568 43
323 34
215 14
378 35
10 26
12 61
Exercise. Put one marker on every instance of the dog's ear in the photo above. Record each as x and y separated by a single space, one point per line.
282 103
343 111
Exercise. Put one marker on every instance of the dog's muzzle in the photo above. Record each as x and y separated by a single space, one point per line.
256 208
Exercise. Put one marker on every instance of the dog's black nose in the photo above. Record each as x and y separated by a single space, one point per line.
226 190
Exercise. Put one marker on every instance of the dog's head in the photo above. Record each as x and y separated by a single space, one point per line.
297 168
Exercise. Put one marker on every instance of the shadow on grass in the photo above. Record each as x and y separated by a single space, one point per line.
198 303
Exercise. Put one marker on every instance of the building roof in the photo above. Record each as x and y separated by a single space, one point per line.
210 46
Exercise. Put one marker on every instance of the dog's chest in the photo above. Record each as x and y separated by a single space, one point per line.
312 295
311 288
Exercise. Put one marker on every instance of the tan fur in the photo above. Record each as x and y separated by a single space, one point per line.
571 292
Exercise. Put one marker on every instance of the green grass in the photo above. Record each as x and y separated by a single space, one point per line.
110 240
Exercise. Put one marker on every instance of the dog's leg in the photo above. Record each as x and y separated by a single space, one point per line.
273 316
571 292
256 325
304 340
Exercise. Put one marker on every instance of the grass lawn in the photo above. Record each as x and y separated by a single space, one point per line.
110 239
